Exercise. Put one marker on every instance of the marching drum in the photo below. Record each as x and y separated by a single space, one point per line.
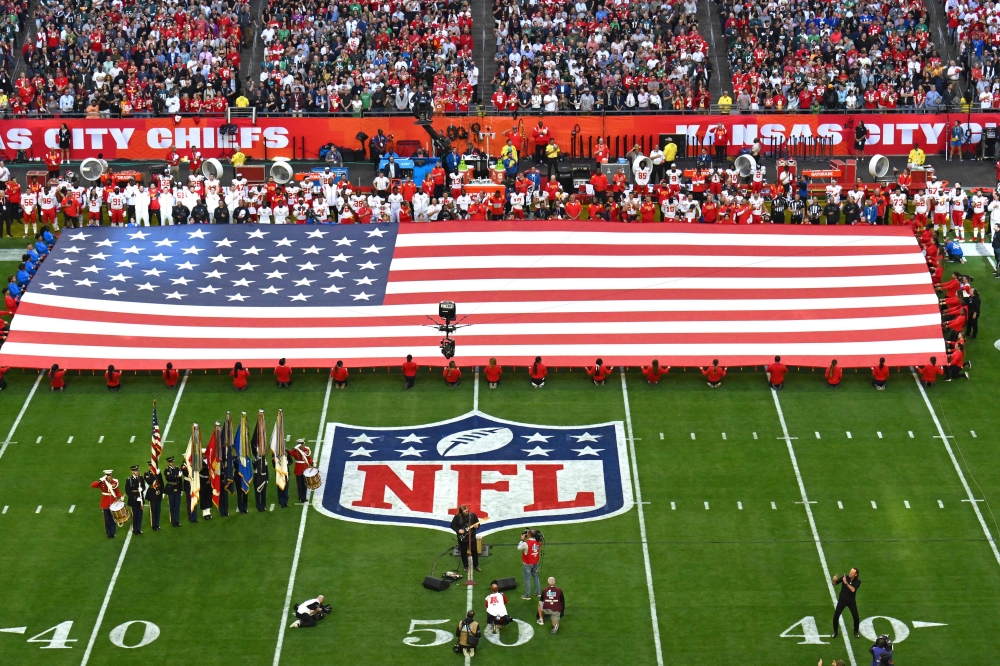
119 512
313 478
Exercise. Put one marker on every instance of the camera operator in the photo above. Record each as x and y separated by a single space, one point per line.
464 524
882 651
531 549
308 613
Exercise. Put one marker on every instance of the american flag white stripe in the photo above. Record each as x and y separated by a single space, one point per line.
567 291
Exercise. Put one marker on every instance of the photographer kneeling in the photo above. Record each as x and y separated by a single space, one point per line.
308 613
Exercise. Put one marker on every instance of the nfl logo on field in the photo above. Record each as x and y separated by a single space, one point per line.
510 474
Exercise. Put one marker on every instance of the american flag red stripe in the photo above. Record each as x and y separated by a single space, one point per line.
569 292
156 444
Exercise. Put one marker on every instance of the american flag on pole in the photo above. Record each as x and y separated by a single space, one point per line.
156 445
207 296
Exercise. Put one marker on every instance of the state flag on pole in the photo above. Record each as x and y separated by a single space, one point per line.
279 453
192 457
212 460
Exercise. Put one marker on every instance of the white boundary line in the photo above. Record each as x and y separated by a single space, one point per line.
302 531
958 468
812 523
128 538
24 408
642 528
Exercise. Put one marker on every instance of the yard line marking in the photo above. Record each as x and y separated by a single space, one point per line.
70 440
879 433
812 523
973 500
673 507
302 530
661 435
20 415
973 432
848 434
100 440
692 435
755 435
272 508
128 539
71 507
39 509
723 436
642 527
39 440
132 441
874 506
910 432
774 505
958 468
706 506
13 630
940 505
475 390
739 505
840 505
817 435
807 502
6 506
906 503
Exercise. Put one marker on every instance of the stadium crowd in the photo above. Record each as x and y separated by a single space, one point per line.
870 55
598 56
975 30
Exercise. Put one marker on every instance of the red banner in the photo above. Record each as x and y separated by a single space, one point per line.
150 139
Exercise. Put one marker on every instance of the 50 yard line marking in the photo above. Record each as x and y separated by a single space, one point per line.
24 408
128 537
302 531
958 468
812 522
642 528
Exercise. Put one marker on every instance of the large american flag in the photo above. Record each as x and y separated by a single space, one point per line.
207 296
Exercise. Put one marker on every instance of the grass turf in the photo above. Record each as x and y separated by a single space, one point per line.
728 580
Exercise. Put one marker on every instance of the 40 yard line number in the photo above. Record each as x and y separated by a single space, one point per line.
810 635
125 635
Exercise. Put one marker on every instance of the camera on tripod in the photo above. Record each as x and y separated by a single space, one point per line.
448 311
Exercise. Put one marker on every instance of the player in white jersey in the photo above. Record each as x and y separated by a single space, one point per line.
320 210
47 202
166 200
921 207
263 214
395 204
29 206
934 188
280 213
517 205
958 202
756 208
95 202
978 205
942 210
833 193
213 189
898 202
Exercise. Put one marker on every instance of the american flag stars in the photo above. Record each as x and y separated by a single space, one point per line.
223 265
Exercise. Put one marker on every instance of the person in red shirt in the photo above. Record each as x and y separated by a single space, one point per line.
240 376
302 458
573 208
880 374
437 176
929 373
339 374
776 374
710 211
956 363
113 378
654 372
833 374
452 374
714 373
599 181
599 372
52 162
170 376
3 382
110 494
283 374
9 302
409 371
647 211
541 136
537 372
56 378
493 372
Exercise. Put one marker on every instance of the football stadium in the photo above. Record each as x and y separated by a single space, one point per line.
446 332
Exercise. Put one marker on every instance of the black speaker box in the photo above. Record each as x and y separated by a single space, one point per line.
505 584
436 584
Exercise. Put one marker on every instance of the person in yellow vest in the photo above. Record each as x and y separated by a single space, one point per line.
669 151
552 157
509 151
242 102
238 159
725 102
916 158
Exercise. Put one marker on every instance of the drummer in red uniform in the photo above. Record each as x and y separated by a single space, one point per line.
302 457
110 494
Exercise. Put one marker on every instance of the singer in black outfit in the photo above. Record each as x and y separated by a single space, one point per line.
849 585
465 524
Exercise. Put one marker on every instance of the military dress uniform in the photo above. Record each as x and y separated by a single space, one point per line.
302 457
192 515
109 494
261 472
135 490
242 497
282 492
173 486
206 490
154 495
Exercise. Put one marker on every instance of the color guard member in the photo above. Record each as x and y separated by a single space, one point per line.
135 490
109 495
302 458
154 494
173 489
260 477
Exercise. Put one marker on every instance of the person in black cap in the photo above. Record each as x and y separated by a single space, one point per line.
173 490
154 494
135 490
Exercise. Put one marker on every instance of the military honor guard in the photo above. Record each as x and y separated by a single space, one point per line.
154 494
302 457
282 492
206 488
191 513
242 496
175 481
261 473
110 494
135 490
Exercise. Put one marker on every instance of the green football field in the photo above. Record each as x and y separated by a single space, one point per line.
749 500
